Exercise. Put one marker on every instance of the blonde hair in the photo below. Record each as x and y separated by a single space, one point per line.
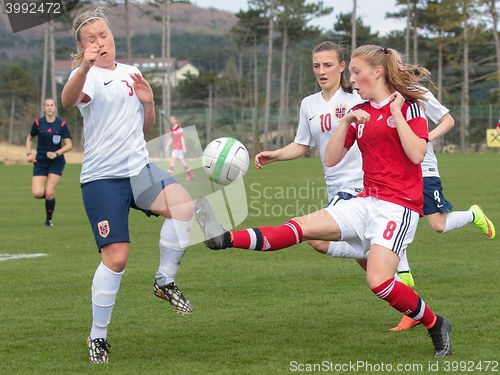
87 17
332 46
399 76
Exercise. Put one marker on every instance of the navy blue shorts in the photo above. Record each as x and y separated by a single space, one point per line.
44 166
434 200
340 196
108 202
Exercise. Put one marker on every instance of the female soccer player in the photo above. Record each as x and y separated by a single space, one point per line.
176 141
54 139
117 107
391 133
320 114
437 209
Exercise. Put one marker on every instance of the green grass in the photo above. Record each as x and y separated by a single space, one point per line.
254 313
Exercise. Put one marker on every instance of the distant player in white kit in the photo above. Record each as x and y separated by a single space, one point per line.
117 107
178 145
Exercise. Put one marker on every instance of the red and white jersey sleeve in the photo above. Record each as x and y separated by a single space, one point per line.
388 173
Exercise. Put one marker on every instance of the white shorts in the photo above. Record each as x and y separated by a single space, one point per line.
369 221
177 154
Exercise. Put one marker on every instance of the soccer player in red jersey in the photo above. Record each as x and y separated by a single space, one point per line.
391 132
176 141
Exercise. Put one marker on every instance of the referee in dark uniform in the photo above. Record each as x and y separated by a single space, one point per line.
54 139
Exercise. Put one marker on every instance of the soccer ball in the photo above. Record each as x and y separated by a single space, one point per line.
224 160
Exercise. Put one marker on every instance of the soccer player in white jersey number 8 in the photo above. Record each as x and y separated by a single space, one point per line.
391 132
117 107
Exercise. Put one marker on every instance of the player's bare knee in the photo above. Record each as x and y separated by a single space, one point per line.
439 226
38 194
176 203
180 211
115 256
437 222
49 195
116 264
186 210
375 279
319 246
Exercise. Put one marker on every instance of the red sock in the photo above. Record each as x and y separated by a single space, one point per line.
404 299
268 238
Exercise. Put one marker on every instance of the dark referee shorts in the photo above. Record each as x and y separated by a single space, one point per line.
108 202
44 166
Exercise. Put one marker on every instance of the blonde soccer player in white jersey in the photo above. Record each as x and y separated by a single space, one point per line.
117 107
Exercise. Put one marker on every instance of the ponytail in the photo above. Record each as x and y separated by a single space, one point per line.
399 76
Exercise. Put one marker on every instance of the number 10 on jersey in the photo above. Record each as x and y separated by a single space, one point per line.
326 122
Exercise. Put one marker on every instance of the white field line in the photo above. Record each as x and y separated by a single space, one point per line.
6 256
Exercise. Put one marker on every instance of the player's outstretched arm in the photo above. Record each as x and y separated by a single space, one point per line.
446 123
290 152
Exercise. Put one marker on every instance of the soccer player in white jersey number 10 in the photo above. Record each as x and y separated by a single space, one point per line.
117 107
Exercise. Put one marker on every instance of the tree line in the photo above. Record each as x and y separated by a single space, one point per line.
253 79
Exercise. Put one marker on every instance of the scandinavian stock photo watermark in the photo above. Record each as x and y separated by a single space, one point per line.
288 201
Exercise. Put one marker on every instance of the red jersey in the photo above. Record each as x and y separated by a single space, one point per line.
388 173
176 133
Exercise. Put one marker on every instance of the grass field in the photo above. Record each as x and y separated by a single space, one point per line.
254 313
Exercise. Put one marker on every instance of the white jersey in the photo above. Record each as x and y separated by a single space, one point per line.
113 123
434 111
318 120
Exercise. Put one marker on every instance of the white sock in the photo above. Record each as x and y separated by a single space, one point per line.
457 219
174 238
343 250
403 265
104 290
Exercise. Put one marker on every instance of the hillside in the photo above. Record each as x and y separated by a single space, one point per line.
185 18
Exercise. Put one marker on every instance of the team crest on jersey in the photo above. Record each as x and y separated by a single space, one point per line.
56 139
340 111
391 122
103 227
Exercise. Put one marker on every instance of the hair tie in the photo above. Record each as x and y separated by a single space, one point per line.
385 50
